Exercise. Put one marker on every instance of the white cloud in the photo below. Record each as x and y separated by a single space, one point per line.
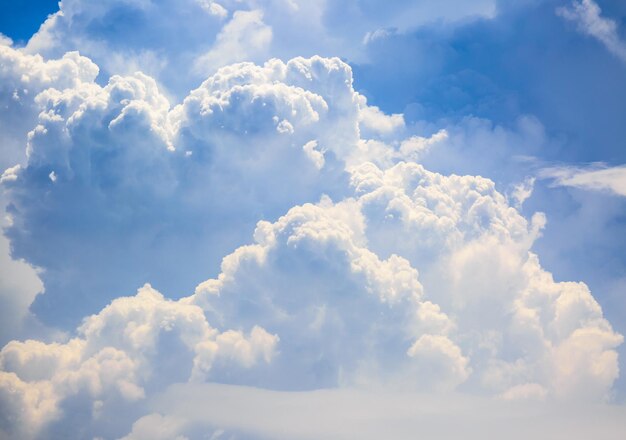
374 121
586 15
364 268
522 191
595 178
213 8
311 304
416 146
120 148
22 78
5 41
118 356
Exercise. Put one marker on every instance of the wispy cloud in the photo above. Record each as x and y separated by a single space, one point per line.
596 177
586 15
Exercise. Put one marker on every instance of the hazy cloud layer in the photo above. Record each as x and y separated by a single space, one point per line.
366 414
158 37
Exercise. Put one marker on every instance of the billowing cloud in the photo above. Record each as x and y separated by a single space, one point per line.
132 347
294 238
192 179
309 306
22 78
411 278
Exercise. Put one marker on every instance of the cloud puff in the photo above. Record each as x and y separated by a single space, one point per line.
134 346
22 78
342 312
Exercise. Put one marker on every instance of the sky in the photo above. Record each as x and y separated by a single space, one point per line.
286 219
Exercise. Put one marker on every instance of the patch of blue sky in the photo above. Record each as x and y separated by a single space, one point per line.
20 19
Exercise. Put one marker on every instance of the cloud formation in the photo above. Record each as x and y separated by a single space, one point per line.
410 277
295 238
133 346
308 306
137 175
22 78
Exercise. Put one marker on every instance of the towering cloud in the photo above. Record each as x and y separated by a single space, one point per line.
283 237
398 275
145 183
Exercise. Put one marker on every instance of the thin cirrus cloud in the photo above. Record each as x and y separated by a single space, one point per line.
293 245
586 14
596 178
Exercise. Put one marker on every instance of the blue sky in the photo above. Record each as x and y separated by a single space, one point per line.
420 202
20 22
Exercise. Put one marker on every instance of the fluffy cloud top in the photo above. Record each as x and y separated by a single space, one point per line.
22 78
193 179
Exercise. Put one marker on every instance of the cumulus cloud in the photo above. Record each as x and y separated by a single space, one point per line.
134 346
22 78
320 300
231 153
586 14
346 262
596 178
